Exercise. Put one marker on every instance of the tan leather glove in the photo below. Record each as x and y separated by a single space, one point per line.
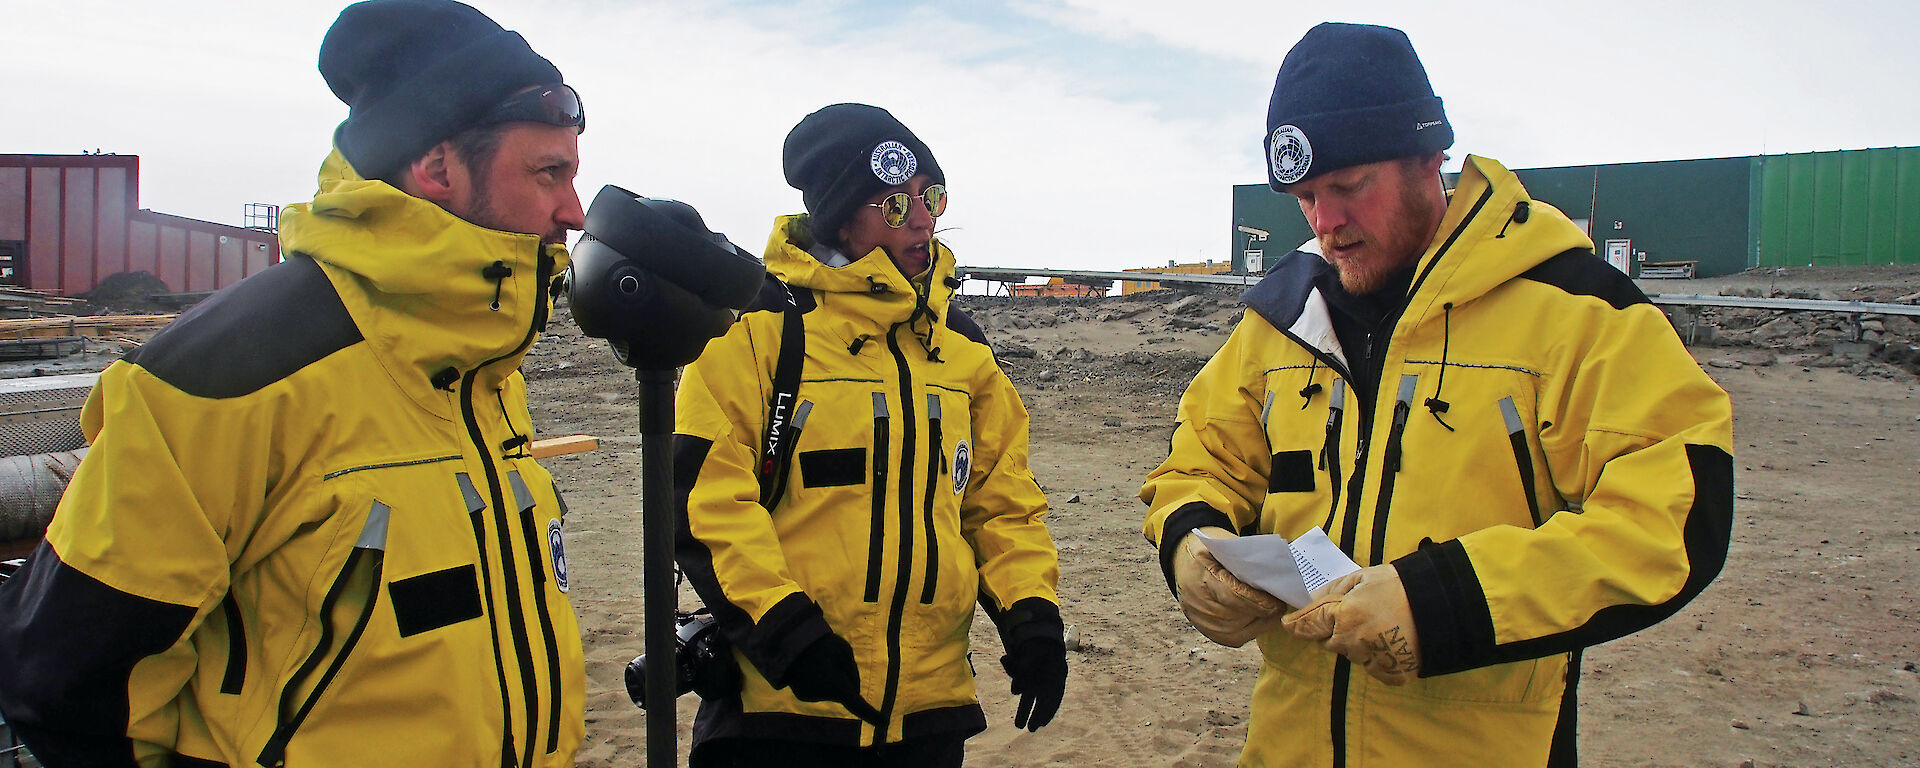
1225 609
1364 616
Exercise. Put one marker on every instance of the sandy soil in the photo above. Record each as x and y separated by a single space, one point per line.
1804 652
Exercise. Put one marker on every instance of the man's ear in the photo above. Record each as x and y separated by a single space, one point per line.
431 176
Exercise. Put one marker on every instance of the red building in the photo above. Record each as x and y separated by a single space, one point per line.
69 221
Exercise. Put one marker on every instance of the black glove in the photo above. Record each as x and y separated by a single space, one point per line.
826 671
1036 659
1039 671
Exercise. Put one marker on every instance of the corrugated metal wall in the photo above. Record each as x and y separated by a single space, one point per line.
78 217
1853 207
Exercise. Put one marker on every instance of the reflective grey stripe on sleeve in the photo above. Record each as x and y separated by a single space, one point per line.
1407 383
374 535
522 495
1511 413
469 493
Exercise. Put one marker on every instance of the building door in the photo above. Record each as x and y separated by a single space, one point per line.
1620 255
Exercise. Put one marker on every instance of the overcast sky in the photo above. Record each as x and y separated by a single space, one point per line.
1076 134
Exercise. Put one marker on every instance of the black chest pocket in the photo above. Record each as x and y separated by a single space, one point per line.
827 468
1291 471
434 600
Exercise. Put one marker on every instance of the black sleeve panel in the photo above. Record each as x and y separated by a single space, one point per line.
1580 273
254 333
68 644
960 323
1450 612
793 623
1179 524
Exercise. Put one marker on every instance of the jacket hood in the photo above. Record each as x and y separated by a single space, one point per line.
871 290
1491 233
428 289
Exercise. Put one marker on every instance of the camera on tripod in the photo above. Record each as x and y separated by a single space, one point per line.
702 660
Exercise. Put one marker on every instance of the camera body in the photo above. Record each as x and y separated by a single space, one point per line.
650 277
702 660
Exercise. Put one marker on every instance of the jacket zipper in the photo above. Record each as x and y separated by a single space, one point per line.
1522 456
1390 468
1330 450
877 525
372 544
936 456
509 573
476 508
903 572
236 674
537 566
1342 669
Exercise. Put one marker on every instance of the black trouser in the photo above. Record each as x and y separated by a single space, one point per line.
938 751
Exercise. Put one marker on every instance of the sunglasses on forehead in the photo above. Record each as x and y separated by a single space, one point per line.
893 208
553 105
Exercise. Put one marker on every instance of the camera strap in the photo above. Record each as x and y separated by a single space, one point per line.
784 414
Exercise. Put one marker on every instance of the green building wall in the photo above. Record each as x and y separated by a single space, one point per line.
1852 207
1257 206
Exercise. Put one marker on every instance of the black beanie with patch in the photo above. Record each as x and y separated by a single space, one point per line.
415 72
843 154
1347 95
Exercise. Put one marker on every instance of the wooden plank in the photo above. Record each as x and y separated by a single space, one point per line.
559 446
19 324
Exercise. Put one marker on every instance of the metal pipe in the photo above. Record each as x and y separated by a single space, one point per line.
30 488
656 559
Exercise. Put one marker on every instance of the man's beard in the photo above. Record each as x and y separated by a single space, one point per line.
1406 239
482 213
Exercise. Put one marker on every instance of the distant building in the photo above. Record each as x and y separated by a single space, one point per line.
1208 267
68 222
1694 217
1056 287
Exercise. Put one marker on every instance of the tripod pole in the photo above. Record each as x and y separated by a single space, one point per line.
657 587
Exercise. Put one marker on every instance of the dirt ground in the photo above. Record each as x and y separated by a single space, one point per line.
1805 651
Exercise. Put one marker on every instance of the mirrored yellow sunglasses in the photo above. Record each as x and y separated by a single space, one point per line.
893 208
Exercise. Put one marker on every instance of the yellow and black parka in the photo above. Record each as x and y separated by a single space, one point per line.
308 531
908 499
1544 464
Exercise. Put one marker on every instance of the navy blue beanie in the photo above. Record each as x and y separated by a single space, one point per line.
1347 95
415 72
843 154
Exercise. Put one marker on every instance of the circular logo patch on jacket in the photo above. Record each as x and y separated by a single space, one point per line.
1290 154
962 466
557 548
893 163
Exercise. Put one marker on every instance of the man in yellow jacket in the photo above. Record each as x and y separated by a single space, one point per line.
1492 422
842 526
309 531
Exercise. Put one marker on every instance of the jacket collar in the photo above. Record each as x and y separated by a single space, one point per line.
1481 243
421 283
869 291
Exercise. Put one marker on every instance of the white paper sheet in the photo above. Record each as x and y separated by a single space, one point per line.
1291 571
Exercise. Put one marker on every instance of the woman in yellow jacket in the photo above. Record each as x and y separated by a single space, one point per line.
842 532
